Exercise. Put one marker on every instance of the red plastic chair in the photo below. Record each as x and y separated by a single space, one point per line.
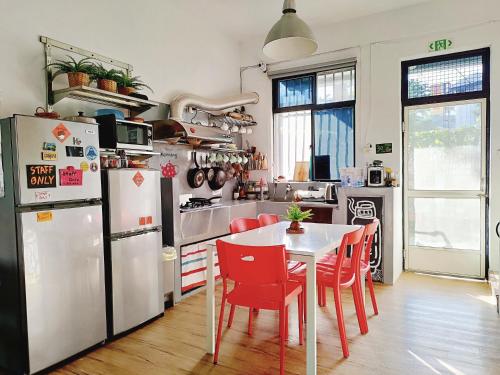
342 277
260 280
268 219
365 272
243 224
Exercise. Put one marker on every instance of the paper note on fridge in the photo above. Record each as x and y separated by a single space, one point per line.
70 177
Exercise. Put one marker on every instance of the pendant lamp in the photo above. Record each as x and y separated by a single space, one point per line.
290 37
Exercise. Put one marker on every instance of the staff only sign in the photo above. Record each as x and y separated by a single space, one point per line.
41 176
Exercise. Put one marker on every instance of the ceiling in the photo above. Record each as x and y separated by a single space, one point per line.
247 18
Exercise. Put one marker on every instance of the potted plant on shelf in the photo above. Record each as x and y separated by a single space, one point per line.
296 216
128 84
78 71
106 79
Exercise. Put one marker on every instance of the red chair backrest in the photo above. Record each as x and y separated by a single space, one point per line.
268 219
252 265
355 239
243 224
370 230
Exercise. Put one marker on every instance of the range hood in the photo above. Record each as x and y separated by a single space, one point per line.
208 134
175 126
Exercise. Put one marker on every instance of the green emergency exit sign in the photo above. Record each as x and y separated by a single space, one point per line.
440 45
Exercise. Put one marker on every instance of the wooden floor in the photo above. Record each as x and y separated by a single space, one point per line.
427 325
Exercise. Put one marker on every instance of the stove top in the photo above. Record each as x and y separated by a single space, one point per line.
199 203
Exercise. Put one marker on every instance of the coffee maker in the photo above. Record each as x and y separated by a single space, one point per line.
376 174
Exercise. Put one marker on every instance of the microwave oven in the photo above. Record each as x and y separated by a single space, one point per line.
124 135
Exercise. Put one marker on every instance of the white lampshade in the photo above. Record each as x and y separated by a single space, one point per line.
290 37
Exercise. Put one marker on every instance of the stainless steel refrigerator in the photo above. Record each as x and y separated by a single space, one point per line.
133 248
52 287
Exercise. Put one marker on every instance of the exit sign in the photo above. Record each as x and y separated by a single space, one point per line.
440 45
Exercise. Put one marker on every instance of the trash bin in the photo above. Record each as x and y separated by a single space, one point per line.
169 256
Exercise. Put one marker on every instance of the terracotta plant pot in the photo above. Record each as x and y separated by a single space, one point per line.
78 79
126 90
106 84
295 228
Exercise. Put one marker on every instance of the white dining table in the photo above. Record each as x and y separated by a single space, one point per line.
308 247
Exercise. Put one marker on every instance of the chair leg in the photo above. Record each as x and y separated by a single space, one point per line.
340 321
300 319
372 291
250 321
304 302
231 316
286 323
357 294
219 329
318 288
282 340
323 296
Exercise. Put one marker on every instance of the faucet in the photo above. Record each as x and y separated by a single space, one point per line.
288 190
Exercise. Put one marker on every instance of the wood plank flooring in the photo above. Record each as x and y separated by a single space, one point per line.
427 325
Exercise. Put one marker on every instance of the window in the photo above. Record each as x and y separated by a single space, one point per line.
457 76
314 123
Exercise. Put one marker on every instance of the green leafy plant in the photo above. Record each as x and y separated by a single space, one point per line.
294 213
72 66
126 80
100 72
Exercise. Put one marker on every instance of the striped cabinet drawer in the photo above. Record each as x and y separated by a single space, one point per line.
194 266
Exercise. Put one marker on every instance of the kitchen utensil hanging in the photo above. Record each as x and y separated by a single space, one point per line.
195 175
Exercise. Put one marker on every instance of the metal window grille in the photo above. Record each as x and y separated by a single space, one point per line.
457 76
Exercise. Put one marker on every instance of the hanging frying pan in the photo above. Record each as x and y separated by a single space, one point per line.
195 175
209 171
219 179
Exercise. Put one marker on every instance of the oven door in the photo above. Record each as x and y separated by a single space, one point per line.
134 135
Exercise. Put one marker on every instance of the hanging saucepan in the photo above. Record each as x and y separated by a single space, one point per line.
219 179
195 175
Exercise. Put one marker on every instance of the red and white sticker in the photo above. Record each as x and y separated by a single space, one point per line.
61 132
138 179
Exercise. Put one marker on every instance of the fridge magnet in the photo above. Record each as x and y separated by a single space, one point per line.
70 177
84 166
61 132
77 141
94 167
138 179
42 196
91 153
45 216
41 176
49 146
49 155
74 152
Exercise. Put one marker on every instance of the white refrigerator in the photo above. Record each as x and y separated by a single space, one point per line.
133 248
52 253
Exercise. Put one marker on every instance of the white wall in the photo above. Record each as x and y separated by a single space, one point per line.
381 42
172 49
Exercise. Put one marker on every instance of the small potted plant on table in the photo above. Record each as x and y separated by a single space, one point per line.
106 79
78 71
296 216
128 84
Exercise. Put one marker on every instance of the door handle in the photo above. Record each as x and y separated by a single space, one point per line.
496 229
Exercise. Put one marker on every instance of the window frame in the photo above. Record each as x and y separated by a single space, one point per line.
314 107
484 93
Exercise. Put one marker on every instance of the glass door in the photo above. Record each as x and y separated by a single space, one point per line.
445 187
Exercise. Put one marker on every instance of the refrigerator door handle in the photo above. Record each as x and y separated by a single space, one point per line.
497 228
